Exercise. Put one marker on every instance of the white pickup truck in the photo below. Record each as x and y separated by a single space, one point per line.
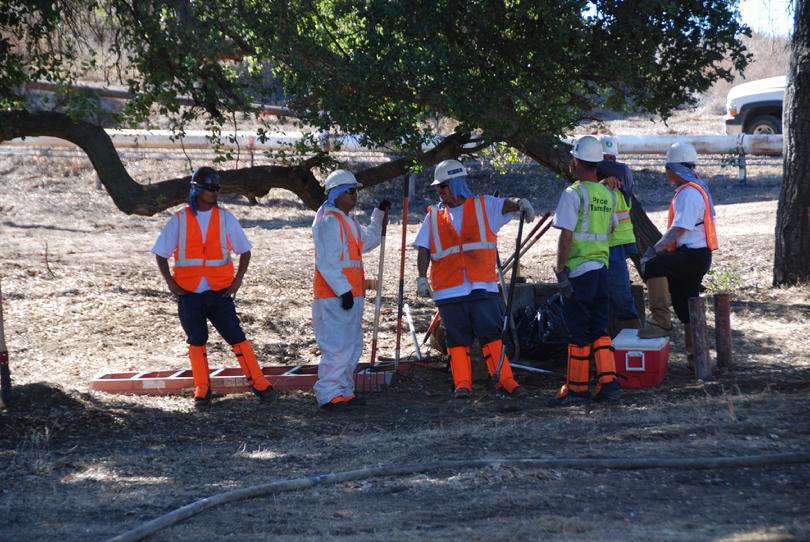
756 107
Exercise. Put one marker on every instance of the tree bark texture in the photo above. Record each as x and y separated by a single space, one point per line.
792 251
146 200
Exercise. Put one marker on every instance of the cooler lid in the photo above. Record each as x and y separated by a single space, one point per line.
628 339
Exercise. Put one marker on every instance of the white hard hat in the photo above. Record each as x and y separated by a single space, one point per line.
339 177
609 145
682 153
449 169
587 148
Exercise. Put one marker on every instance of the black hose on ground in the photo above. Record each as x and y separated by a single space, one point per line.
283 486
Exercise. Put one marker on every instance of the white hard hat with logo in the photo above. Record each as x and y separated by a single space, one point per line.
609 145
681 153
588 149
446 170
339 177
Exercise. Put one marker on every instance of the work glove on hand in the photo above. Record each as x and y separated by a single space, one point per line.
526 207
384 205
566 289
649 254
422 287
347 300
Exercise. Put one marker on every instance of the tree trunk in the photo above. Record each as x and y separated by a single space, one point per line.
792 252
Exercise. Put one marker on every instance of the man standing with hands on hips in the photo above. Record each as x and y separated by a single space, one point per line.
585 217
458 242
201 237
339 289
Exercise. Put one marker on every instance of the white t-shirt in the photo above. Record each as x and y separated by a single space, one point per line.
170 235
494 209
689 210
566 217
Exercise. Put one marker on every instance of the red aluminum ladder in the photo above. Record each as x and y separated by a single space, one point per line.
232 380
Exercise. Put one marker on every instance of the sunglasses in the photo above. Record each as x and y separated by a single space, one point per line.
443 185
351 191
211 187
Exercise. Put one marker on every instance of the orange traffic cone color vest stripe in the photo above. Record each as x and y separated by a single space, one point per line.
708 220
194 259
451 254
351 260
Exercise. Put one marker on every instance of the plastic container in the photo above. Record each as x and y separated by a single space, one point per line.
642 362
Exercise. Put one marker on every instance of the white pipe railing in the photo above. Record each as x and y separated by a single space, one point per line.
249 141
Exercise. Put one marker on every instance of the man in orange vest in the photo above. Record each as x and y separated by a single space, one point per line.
201 238
458 242
339 289
677 263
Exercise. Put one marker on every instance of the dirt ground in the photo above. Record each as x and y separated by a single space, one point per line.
82 294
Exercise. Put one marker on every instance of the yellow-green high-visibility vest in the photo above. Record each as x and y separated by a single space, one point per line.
623 234
592 233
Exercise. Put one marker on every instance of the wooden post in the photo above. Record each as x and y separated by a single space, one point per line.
697 316
5 373
722 329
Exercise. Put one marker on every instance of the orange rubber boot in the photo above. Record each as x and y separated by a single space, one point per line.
575 389
200 372
461 367
607 385
250 366
492 355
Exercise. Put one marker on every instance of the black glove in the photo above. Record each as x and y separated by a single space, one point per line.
566 289
347 300
384 205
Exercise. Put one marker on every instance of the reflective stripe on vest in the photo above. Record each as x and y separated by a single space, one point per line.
592 231
623 234
474 251
189 269
351 261
708 220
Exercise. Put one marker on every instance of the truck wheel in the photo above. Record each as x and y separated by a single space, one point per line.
764 125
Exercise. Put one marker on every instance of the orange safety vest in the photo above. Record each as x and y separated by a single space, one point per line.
475 250
194 260
351 262
708 220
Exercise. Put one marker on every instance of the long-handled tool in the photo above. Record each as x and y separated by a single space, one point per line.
413 332
378 298
5 373
510 298
401 300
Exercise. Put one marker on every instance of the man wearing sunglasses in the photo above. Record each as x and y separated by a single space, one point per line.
201 238
339 289
458 241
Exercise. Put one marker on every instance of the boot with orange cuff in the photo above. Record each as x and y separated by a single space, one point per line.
200 372
506 381
575 390
250 366
461 368
607 383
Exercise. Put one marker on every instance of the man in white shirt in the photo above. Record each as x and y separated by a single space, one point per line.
458 238
201 237
677 263
339 289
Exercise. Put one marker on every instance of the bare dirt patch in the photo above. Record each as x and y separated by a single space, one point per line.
82 465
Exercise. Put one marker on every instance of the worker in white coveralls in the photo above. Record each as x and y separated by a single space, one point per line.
339 288
458 241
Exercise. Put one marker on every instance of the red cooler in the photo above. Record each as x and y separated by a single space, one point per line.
642 362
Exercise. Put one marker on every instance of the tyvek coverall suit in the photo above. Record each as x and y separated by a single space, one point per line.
338 332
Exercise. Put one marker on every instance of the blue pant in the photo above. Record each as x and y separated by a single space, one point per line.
586 312
622 306
196 309
475 316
